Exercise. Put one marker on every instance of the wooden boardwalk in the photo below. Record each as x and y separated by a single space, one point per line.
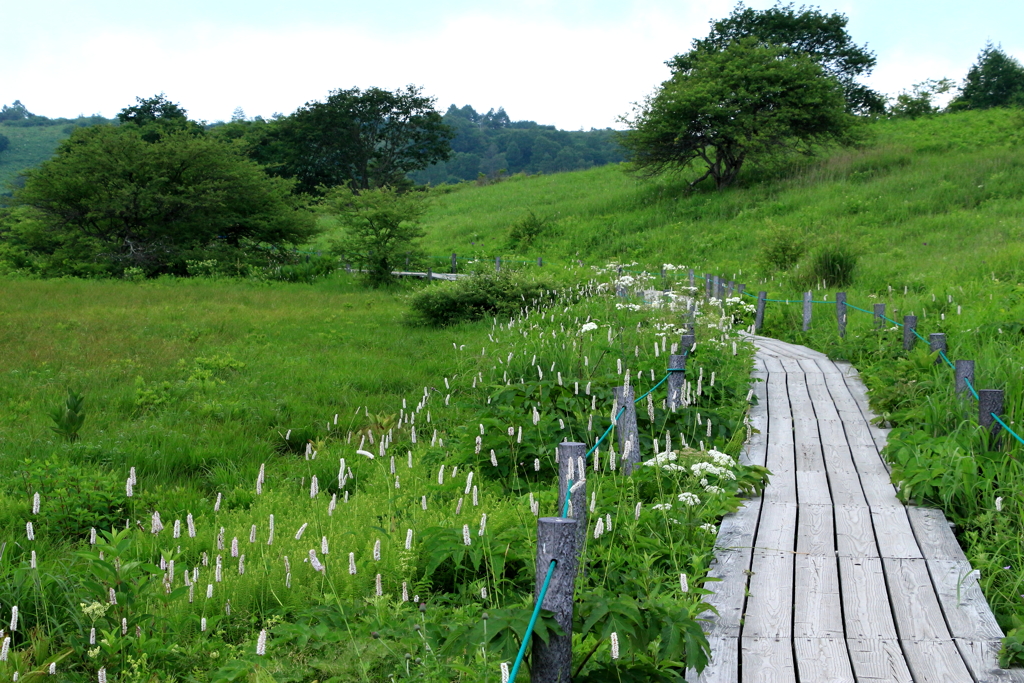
827 576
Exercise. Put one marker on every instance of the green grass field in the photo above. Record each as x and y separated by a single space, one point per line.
30 146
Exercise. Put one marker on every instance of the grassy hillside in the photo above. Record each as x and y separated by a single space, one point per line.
927 191
30 146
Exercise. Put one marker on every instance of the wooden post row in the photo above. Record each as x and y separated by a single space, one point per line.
909 325
841 312
990 401
937 342
759 316
629 436
964 372
556 540
879 316
807 311
454 263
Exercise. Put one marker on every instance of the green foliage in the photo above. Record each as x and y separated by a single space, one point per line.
491 145
995 80
110 199
69 418
496 294
157 117
918 101
380 229
360 139
831 264
5 143
746 102
525 230
806 30
781 249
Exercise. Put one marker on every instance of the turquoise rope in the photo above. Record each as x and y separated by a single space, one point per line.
565 513
1007 427
856 308
942 355
971 387
533 621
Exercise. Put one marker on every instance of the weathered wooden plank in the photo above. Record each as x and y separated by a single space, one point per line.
823 660
893 532
963 604
815 532
914 603
844 484
982 659
776 529
772 364
817 612
855 536
769 609
791 365
933 534
808 454
768 660
731 568
865 599
868 461
824 408
737 528
876 660
935 660
724 664
812 488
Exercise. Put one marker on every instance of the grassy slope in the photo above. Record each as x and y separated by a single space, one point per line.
30 146
930 192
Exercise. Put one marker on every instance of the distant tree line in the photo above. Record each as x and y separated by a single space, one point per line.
491 144
17 114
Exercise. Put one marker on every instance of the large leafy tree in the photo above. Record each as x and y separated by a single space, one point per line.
806 30
157 116
996 80
361 139
113 199
748 101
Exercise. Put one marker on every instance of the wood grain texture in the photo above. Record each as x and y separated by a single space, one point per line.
737 529
855 536
914 603
728 593
823 660
963 604
817 612
982 659
893 532
776 529
812 488
933 534
724 664
865 599
878 660
768 660
769 609
815 531
936 661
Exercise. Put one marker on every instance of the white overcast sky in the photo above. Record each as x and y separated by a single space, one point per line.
574 64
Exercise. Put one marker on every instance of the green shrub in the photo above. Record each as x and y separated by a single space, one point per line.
831 265
781 249
524 231
474 297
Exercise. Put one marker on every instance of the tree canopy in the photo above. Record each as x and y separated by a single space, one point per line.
361 139
995 80
112 199
748 101
806 30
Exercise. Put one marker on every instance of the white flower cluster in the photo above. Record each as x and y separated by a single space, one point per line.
688 499
665 460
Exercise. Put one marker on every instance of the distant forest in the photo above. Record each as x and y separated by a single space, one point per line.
492 144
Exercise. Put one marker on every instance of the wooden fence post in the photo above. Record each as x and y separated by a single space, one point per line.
540 261
719 287
691 277
740 289
964 371
879 316
497 264
629 436
686 342
676 378
990 401
841 312
430 275
762 297
571 458
407 261
556 541
807 311
454 264
937 342
909 325
707 286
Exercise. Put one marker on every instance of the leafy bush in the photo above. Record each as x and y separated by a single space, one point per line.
472 298
69 418
524 231
781 248
832 265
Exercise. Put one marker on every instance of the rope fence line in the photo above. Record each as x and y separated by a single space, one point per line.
842 303
542 594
